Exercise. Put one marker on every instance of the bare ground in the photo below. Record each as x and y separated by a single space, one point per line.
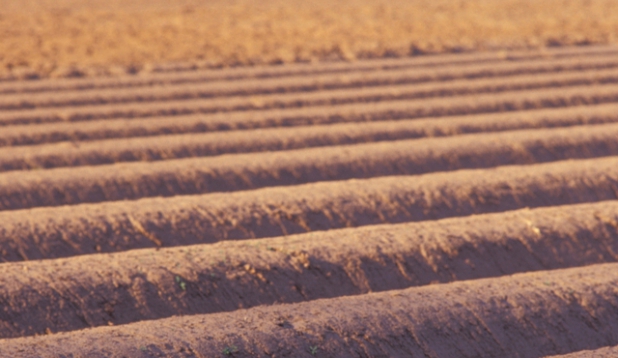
69 38
548 312
105 289
181 220
448 205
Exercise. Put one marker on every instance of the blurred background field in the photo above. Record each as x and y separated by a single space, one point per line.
60 38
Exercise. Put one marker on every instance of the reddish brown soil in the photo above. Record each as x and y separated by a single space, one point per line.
182 220
537 145
385 221
57 187
150 284
533 314
345 88
316 135
175 77
322 114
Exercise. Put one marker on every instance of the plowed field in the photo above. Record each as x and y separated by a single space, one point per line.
437 206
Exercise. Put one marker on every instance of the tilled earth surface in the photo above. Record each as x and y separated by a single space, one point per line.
438 206
84 38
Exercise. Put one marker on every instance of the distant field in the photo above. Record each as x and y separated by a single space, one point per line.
62 38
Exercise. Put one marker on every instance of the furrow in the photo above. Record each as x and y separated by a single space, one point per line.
437 206
96 290
595 140
62 186
296 137
430 59
299 70
283 93
533 314
354 112
185 220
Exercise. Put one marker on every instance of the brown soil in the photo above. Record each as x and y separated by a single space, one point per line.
68 38
73 230
323 114
538 145
549 312
62 186
607 352
343 88
277 138
385 221
354 69
151 284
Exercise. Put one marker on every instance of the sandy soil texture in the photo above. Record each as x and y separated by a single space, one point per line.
266 72
581 58
405 156
357 86
447 205
606 352
222 140
42 38
500 314
183 220
91 184
138 285
326 113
